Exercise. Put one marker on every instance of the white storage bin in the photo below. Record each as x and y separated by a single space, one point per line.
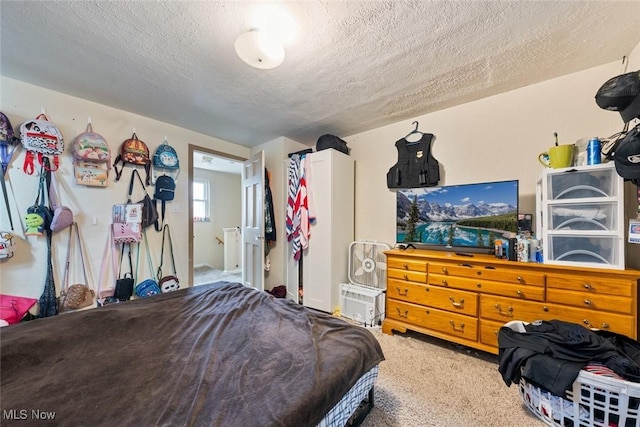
586 182
581 219
602 251
583 216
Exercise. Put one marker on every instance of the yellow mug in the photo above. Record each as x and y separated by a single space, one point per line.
560 156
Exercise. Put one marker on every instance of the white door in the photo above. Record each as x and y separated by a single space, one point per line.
253 221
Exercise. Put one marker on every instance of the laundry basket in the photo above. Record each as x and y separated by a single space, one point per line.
594 400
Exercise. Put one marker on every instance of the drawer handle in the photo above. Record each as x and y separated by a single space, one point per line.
545 309
445 271
587 322
457 304
587 302
605 326
490 267
458 329
445 283
588 286
403 294
495 333
520 279
401 314
520 293
479 284
406 277
508 313
406 266
466 265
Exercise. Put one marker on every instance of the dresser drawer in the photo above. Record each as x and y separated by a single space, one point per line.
591 300
412 276
434 296
526 292
506 309
489 332
488 272
438 320
452 300
621 287
406 264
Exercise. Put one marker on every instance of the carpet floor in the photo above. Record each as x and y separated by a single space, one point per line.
205 274
428 382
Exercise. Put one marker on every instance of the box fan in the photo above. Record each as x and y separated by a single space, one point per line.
362 299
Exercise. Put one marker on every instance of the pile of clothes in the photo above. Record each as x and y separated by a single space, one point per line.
551 353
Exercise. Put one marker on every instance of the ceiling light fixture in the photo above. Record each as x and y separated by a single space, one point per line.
259 50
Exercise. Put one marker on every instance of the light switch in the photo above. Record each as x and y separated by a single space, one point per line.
175 207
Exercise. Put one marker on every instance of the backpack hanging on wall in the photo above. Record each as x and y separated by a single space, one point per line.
91 158
8 141
165 170
165 161
8 144
42 138
135 152
165 191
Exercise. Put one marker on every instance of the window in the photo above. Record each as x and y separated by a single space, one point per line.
201 200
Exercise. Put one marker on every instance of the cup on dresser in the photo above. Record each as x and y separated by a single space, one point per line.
559 156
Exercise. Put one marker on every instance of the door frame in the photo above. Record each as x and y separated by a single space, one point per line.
193 148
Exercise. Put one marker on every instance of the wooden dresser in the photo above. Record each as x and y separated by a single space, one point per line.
467 299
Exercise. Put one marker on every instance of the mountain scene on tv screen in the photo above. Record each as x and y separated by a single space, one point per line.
471 215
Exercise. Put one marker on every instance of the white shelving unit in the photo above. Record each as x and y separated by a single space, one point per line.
581 216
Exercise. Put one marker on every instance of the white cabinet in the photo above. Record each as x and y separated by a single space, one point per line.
324 264
582 216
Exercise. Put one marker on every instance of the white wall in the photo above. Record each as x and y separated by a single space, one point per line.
24 274
225 195
492 139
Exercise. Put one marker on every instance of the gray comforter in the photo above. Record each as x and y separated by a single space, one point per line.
215 355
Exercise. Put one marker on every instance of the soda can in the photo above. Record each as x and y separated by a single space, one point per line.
593 151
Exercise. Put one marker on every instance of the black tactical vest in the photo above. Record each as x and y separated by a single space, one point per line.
416 167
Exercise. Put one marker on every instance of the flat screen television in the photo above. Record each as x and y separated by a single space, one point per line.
466 218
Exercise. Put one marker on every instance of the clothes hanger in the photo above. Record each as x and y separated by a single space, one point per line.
412 133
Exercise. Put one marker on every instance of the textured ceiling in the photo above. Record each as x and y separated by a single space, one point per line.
356 65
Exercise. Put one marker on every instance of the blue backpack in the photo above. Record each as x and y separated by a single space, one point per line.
165 161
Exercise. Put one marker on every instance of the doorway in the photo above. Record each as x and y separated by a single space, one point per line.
215 210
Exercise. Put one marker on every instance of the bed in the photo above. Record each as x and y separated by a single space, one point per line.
211 355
